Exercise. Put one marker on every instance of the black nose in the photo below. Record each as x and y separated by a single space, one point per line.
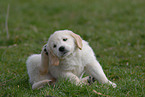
62 49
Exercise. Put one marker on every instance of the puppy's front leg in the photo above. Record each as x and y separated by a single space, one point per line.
72 78
44 61
95 70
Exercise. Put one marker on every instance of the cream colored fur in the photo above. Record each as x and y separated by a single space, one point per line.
77 58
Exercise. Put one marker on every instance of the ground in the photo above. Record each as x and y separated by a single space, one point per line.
115 29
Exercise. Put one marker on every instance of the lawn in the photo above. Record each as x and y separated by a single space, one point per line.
115 29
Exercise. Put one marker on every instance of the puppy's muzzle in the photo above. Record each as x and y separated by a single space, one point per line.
63 50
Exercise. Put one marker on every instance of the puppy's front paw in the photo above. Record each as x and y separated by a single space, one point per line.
91 80
113 84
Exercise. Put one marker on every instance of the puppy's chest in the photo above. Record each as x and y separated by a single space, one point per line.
73 64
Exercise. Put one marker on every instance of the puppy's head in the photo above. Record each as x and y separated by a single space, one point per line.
61 44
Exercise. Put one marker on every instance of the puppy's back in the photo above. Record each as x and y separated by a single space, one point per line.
33 63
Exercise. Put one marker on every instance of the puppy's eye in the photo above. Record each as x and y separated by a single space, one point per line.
54 46
65 39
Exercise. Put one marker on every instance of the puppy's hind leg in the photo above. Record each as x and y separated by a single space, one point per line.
35 77
40 84
44 60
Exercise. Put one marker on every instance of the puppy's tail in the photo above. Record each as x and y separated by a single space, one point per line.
40 84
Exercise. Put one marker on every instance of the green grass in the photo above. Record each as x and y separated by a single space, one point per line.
115 30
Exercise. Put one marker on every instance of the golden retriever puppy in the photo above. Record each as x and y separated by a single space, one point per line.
65 55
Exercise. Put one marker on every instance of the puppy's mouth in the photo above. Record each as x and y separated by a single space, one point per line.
64 54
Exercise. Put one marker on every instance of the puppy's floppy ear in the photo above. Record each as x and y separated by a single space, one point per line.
53 59
78 40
